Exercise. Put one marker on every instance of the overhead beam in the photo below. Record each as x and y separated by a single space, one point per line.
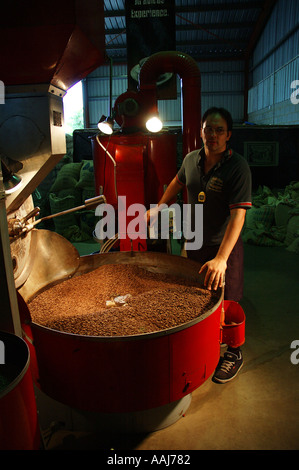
227 6
231 6
267 9
219 25
244 25
211 42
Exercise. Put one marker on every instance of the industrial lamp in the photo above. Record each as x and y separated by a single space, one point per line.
105 125
154 124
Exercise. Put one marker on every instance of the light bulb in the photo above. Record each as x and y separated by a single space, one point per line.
154 124
105 127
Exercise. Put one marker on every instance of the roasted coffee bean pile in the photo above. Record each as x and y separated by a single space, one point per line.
155 302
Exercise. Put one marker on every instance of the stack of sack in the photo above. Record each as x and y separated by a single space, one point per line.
273 219
73 185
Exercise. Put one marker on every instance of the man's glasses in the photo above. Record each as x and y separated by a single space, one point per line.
209 130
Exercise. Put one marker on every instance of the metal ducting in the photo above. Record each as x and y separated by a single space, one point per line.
187 69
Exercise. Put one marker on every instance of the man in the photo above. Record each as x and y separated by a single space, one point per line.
220 179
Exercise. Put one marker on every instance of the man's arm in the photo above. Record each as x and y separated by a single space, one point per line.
215 268
170 193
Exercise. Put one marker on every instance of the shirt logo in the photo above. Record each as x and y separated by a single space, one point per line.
216 184
201 196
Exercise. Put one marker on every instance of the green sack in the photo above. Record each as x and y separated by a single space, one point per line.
86 179
57 204
67 177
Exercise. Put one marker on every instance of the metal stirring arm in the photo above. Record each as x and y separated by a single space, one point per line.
18 227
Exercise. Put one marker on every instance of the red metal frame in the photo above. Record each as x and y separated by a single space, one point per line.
144 164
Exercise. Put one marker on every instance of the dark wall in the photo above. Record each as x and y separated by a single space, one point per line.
82 144
287 169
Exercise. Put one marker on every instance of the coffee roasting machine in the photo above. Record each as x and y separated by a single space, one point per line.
139 382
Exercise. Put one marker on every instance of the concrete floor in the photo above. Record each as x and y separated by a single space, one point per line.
259 409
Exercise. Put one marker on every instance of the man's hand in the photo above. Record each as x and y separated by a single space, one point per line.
151 216
215 272
216 267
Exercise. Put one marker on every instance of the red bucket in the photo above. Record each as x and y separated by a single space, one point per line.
233 328
19 429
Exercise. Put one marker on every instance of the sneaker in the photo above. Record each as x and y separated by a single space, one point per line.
228 367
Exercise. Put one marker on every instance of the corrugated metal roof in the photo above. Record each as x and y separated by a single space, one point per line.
207 30
228 39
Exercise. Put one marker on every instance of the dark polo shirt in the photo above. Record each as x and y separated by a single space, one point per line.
226 186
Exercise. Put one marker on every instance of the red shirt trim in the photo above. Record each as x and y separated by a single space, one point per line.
240 204
182 184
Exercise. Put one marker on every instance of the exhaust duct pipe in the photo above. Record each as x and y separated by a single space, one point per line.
188 71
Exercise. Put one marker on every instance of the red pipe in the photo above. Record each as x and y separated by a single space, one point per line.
187 69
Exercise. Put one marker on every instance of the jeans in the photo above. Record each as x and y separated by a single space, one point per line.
234 275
